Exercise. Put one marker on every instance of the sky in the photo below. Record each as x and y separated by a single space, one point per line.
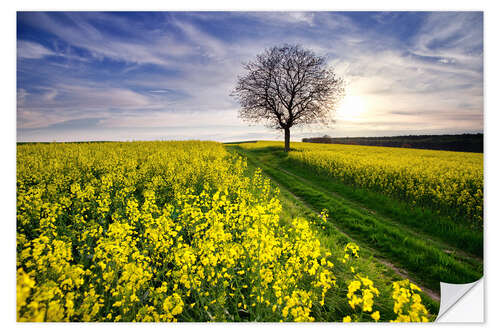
84 76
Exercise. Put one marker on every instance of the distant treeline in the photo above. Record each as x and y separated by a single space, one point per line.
460 142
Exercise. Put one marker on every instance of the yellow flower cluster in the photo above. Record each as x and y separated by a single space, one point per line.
350 251
407 303
323 218
158 231
361 290
361 293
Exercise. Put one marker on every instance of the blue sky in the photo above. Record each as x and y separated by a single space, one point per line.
161 75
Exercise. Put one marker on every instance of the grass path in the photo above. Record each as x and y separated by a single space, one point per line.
426 260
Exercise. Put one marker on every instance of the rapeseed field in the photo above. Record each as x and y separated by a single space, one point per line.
171 231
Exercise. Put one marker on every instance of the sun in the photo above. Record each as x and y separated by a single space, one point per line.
351 107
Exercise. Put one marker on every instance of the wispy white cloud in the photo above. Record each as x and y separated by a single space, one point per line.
84 96
50 95
201 41
149 47
68 102
284 18
31 50
455 36
195 118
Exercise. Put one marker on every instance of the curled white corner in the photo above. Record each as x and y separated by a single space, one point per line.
462 303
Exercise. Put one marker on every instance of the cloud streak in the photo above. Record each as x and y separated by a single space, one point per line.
30 50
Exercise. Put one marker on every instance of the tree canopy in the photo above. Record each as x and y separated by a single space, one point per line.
288 86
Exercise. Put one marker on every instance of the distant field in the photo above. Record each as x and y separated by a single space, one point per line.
187 231
462 142
449 182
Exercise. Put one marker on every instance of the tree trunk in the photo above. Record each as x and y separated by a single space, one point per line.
287 139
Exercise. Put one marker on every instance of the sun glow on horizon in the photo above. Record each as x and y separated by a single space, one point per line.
351 107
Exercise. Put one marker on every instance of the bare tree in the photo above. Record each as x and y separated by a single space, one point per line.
288 86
